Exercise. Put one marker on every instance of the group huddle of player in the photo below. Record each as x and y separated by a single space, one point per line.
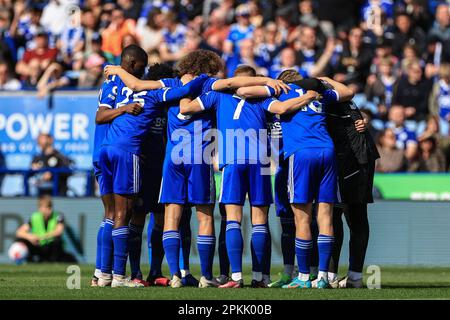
155 141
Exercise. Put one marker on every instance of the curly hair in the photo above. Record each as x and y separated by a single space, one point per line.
198 62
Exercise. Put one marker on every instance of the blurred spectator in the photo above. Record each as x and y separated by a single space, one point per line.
50 158
412 92
26 24
112 36
354 66
430 159
392 159
216 33
441 26
71 42
42 234
308 51
307 15
174 34
239 31
405 139
439 102
92 74
35 61
131 9
7 44
380 87
245 56
53 78
56 14
150 33
407 33
7 82
90 30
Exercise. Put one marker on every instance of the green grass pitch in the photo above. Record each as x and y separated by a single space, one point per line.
48 281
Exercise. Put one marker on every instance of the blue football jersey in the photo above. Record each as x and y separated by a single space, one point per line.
404 137
185 133
242 125
129 132
305 128
107 98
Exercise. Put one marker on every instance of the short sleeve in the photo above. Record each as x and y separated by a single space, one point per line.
208 84
330 96
170 82
209 100
108 94
266 103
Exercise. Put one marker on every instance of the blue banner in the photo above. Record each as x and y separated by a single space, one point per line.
69 117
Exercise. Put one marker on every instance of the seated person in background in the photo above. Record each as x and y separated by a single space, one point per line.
35 61
42 234
50 158
439 102
430 159
405 139
7 81
392 159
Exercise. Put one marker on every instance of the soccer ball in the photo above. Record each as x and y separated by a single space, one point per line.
18 252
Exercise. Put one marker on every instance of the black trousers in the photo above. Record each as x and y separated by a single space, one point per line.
51 252
358 223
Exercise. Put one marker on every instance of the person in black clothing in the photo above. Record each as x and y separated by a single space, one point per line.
52 159
356 155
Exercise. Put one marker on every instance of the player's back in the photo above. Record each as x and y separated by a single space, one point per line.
107 97
181 129
305 128
128 131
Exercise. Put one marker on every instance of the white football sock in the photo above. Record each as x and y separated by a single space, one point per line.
332 277
323 275
236 276
303 276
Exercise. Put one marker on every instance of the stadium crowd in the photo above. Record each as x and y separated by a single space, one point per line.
393 54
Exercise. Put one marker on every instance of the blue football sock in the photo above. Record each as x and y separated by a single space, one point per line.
325 247
185 238
206 246
107 247
268 253
303 253
171 244
151 223
156 250
120 239
235 245
135 245
288 240
98 258
224 263
259 243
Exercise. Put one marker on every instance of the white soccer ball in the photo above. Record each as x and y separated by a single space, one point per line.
18 252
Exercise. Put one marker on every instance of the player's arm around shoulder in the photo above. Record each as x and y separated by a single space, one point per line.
344 92
293 104
131 81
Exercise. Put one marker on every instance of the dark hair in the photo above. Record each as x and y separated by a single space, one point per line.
245 69
160 71
198 62
134 53
151 17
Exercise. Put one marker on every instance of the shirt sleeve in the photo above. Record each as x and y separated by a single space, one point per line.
209 84
266 103
208 100
169 82
330 96
108 94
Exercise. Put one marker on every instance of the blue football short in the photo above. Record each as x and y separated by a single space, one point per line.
120 170
187 184
238 180
312 176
